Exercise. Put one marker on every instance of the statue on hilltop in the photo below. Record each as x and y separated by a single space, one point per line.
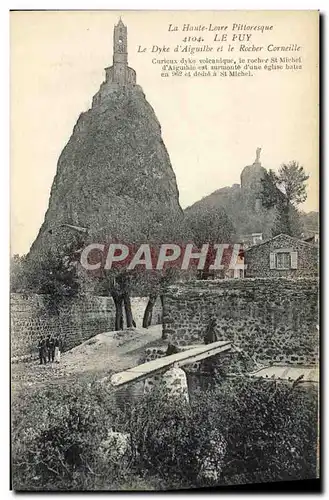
258 151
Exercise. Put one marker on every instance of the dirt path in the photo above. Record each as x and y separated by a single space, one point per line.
105 353
113 351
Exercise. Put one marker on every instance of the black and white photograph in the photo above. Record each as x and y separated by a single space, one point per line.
165 250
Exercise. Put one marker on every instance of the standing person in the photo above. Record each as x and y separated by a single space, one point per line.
209 364
210 335
57 350
51 348
42 351
48 347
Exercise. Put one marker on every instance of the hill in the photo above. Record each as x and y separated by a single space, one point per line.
112 175
245 217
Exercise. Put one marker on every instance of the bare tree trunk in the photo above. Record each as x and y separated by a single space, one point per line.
129 315
121 297
147 319
287 219
118 300
162 306
164 334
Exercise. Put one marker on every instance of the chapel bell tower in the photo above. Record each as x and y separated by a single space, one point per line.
119 74
120 53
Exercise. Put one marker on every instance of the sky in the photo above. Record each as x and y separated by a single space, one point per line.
210 126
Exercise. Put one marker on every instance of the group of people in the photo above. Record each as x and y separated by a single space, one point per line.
49 349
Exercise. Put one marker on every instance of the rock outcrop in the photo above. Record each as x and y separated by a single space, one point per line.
114 176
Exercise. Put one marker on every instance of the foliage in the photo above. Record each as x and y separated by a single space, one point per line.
209 224
310 221
270 430
154 225
17 272
52 274
269 427
56 438
287 186
287 221
161 431
271 196
291 181
284 191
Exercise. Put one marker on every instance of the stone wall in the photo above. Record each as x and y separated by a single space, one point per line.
271 319
77 320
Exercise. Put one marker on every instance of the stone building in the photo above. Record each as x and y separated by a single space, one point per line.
119 76
282 255
120 72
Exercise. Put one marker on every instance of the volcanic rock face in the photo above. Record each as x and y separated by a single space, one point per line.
114 176
242 203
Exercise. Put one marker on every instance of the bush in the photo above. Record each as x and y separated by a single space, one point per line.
160 428
56 438
240 431
54 275
269 429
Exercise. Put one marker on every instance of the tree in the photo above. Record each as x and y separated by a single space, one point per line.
285 190
310 221
134 224
156 283
53 271
51 274
173 230
291 182
209 224
17 273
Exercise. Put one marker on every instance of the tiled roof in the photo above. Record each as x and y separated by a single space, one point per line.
278 236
